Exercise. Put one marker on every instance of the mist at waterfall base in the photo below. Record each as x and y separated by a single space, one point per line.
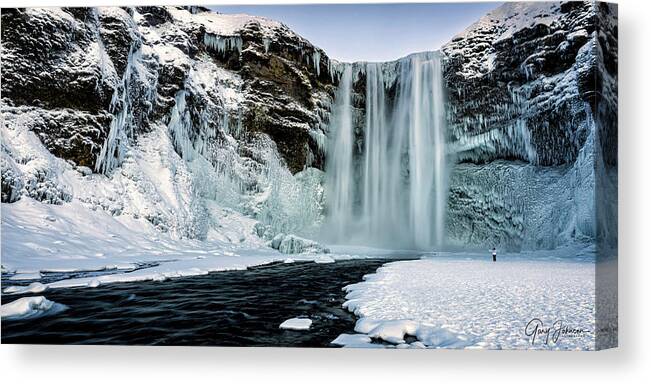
386 174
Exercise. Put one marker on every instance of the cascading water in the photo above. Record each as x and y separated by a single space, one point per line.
392 190
340 165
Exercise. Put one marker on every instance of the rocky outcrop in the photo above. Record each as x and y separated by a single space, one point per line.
48 73
77 70
518 81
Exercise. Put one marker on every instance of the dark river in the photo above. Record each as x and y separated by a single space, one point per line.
236 308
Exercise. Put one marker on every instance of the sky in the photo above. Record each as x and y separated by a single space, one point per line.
372 32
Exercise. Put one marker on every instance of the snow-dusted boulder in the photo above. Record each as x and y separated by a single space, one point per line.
290 244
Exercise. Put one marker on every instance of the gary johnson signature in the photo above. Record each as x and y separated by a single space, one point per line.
537 331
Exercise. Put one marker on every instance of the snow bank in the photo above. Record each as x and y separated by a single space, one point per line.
124 249
228 24
473 303
29 308
296 324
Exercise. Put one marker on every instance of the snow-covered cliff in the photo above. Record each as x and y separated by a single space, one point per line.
165 114
532 111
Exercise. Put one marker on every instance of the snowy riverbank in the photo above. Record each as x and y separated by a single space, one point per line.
85 248
471 302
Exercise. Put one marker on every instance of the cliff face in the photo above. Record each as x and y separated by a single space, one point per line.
528 86
244 97
82 59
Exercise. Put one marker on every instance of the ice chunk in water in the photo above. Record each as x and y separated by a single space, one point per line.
29 308
296 324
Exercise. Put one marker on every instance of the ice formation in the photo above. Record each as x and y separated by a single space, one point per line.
296 324
223 44
121 130
29 308
293 244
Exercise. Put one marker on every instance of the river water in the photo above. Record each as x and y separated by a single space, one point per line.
234 308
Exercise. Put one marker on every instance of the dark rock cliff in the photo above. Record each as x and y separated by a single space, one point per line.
70 64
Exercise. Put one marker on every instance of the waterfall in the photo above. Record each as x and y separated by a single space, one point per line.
392 192
340 178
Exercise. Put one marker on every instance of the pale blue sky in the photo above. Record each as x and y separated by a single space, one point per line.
372 32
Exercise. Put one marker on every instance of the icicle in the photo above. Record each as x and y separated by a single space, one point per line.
316 61
267 43
320 140
180 127
120 130
333 69
223 44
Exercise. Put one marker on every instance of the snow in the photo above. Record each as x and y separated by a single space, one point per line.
496 26
87 240
26 276
125 249
467 301
172 55
353 341
35 287
221 24
296 324
512 17
324 260
29 308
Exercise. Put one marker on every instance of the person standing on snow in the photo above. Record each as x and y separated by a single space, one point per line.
494 254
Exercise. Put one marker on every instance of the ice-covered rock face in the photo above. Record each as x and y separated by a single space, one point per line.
532 110
243 101
120 68
517 82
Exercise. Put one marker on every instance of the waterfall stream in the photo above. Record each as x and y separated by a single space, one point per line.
387 186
